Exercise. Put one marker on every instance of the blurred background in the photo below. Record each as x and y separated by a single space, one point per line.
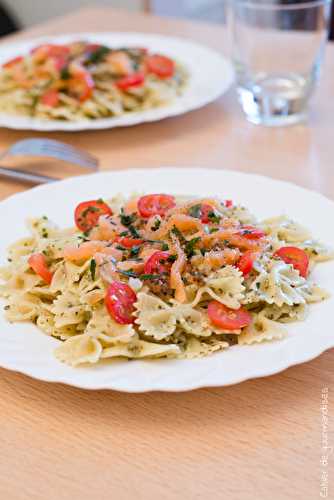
15 14
18 14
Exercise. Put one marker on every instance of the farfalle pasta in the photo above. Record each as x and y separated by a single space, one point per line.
161 276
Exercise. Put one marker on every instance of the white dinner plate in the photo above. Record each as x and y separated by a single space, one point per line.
26 349
210 75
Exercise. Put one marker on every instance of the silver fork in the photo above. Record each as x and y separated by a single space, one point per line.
49 148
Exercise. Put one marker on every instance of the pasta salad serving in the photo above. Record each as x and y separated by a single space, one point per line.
161 276
83 80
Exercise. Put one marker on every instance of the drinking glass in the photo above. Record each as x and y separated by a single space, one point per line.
278 50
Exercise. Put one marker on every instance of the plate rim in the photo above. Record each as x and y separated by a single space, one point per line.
313 350
17 122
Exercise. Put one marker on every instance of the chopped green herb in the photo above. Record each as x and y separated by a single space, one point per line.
134 232
98 55
65 73
178 234
172 258
134 251
214 217
83 237
195 211
127 220
203 251
151 276
92 268
213 229
156 225
44 217
158 242
165 247
190 247
119 247
124 233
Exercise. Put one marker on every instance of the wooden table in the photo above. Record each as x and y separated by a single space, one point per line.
254 441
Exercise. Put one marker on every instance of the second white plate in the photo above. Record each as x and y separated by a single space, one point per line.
210 75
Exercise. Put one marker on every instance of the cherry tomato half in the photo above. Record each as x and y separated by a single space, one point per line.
119 301
295 256
37 262
251 233
12 62
128 242
226 318
50 98
246 261
155 204
161 66
134 80
87 213
158 263
228 203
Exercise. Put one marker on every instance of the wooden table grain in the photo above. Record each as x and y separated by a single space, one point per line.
257 440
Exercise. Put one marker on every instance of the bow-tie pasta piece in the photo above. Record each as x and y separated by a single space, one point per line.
79 349
142 349
102 327
261 329
284 229
196 348
278 284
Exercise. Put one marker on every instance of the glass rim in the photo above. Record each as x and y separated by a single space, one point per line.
307 4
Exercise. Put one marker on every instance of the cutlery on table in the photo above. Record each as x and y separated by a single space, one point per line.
48 148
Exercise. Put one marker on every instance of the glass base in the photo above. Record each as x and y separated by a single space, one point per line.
275 100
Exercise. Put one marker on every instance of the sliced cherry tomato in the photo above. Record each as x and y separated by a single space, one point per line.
37 262
295 256
161 66
134 80
155 204
158 263
252 233
119 301
228 203
81 84
226 318
205 210
50 98
246 261
128 242
87 213
12 62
